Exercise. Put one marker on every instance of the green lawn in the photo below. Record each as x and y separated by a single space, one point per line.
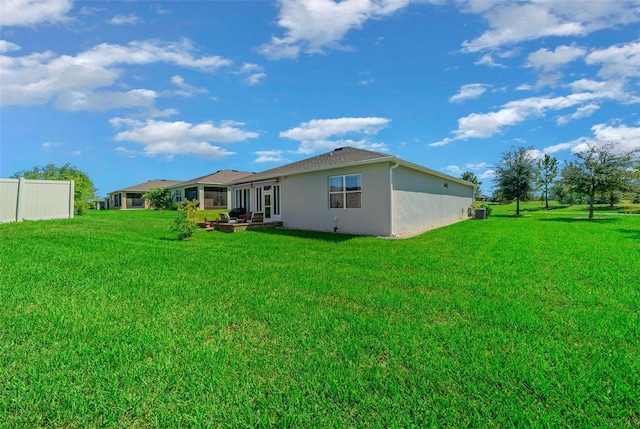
107 321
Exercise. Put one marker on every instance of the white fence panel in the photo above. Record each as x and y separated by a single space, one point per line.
24 199
8 199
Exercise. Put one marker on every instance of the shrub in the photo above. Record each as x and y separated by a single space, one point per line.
159 199
80 208
636 199
185 222
488 209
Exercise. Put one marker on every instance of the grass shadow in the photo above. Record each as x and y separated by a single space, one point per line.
511 215
311 235
579 219
633 233
170 239
542 208
608 208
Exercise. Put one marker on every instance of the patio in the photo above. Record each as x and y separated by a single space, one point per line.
240 226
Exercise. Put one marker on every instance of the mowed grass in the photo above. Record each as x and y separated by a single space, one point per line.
107 321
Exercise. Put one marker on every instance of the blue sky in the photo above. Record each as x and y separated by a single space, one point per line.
130 91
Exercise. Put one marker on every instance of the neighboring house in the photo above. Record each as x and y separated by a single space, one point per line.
484 198
355 191
211 191
100 204
131 197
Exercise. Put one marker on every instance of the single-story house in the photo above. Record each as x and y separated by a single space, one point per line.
355 191
211 191
100 204
131 197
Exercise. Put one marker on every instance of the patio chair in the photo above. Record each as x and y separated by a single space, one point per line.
257 217
225 218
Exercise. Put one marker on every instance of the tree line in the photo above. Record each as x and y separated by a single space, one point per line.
599 173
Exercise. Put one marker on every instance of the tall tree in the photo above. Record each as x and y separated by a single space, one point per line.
598 170
547 172
84 190
515 175
471 177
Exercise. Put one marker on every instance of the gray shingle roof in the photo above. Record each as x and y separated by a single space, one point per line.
217 178
337 157
146 186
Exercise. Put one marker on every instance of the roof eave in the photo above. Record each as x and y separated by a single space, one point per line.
389 158
434 172
313 170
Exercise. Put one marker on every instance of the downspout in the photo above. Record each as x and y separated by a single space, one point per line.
391 197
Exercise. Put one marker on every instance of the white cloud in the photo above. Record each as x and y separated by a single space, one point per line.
125 20
180 138
311 26
457 170
548 61
312 146
525 87
253 74
105 100
587 93
535 154
8 47
128 152
38 78
454 169
625 138
558 147
476 167
489 174
515 22
270 156
468 92
617 61
49 145
445 141
319 129
31 12
186 90
160 10
582 112
90 10
152 51
487 60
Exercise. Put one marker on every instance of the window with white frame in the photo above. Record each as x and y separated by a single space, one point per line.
259 199
276 200
345 192
242 199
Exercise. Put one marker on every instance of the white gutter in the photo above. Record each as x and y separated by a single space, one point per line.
391 197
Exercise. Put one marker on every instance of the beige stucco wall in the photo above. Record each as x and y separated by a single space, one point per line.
421 200
180 190
305 202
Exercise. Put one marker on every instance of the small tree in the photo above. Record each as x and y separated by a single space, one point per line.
515 175
159 199
547 172
185 222
84 190
471 177
598 170
564 194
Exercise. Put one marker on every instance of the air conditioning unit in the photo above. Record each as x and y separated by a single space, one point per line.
480 214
